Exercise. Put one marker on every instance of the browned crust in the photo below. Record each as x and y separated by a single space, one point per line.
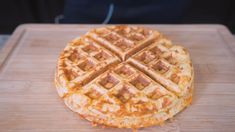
134 122
143 122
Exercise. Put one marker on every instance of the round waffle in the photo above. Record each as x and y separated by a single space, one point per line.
125 77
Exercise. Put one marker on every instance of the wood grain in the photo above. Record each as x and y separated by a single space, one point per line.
29 101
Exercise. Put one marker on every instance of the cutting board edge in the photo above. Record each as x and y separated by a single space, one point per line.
11 44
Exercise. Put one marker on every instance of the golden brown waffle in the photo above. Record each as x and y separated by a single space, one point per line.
125 77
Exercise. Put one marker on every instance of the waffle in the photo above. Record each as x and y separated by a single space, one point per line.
125 77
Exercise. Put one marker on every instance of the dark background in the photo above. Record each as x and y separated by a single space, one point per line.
15 12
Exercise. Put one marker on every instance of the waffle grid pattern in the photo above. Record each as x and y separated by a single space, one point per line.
122 71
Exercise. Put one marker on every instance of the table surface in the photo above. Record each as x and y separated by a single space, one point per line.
29 101
3 39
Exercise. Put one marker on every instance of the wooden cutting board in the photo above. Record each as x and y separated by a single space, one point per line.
29 100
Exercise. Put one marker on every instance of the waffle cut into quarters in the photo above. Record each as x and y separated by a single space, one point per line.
125 77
